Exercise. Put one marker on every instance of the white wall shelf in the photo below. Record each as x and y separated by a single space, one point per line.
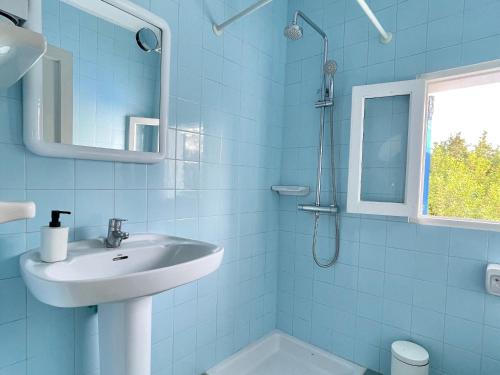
298 191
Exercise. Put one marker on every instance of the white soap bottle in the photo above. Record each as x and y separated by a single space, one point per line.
54 241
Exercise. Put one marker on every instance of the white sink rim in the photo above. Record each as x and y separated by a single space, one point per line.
68 292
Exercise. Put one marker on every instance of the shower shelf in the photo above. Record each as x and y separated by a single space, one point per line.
291 190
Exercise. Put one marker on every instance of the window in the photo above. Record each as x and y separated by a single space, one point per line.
461 166
429 149
382 172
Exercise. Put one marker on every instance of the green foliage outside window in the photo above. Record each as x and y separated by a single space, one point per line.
464 180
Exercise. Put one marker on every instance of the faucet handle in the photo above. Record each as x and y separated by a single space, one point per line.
116 222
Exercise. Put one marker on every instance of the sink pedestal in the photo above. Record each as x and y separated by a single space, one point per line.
120 282
125 337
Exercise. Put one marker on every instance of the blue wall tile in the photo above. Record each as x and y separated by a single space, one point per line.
93 207
398 288
466 274
13 171
13 292
130 176
428 323
394 280
423 283
458 361
471 244
91 174
61 176
397 314
13 344
445 32
463 334
411 13
163 197
472 310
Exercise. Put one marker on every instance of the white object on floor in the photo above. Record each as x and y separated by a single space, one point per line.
278 353
10 211
409 358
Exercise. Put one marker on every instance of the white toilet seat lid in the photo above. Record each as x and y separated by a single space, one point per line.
410 353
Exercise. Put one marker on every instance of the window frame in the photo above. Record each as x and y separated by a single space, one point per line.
416 91
432 78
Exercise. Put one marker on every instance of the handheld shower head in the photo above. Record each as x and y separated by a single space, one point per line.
293 31
330 67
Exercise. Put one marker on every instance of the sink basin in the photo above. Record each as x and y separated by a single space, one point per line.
144 265
121 282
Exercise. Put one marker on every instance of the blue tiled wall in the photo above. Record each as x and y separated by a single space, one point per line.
226 109
394 280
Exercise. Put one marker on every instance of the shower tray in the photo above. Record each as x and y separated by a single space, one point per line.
279 354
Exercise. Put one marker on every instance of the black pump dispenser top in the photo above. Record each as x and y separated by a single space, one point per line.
55 223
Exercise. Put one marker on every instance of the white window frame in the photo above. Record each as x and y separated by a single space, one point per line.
413 206
416 90
433 78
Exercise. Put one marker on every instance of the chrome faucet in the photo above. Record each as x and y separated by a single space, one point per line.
115 234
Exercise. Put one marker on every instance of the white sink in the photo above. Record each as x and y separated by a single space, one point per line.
121 282
144 265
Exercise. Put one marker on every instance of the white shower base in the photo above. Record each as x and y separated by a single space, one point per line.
280 354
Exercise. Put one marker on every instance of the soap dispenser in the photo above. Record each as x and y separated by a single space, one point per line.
54 241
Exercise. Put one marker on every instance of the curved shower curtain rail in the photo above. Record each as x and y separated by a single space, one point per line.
219 28
385 36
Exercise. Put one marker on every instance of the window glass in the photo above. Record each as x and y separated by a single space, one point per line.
462 163
385 138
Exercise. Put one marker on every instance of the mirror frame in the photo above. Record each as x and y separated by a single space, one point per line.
33 91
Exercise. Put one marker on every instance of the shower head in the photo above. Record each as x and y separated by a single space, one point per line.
330 67
293 31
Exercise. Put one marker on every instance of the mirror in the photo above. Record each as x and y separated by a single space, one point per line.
106 65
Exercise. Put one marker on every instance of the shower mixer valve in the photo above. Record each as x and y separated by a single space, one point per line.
318 209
